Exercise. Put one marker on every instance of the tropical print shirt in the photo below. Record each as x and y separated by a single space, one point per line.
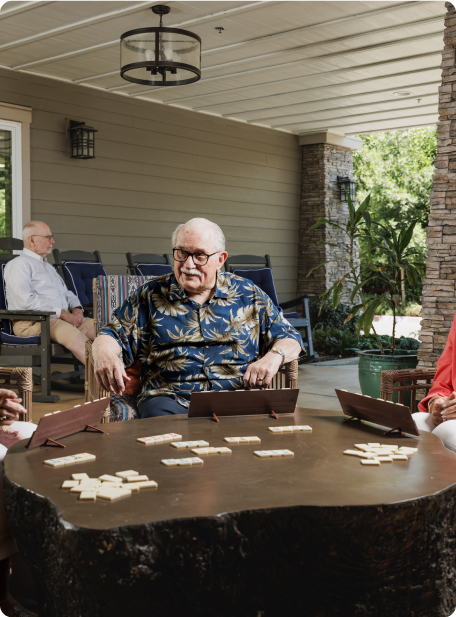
185 347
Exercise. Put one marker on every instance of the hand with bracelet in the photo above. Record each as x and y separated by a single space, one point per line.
443 408
260 373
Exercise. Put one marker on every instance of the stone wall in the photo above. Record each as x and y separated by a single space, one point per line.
320 197
439 297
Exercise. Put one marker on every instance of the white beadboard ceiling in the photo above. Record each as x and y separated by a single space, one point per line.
302 67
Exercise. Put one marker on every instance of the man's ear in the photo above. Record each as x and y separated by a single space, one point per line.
223 256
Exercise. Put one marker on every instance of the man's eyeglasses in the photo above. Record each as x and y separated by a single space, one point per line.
200 259
48 238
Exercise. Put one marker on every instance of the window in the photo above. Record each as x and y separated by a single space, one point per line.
10 179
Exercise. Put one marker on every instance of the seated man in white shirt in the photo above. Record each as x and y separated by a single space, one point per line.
33 284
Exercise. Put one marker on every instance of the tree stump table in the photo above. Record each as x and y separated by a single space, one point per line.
318 534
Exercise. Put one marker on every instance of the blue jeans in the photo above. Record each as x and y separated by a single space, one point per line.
160 406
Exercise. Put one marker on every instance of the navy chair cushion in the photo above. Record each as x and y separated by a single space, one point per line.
262 277
291 315
79 276
153 269
12 339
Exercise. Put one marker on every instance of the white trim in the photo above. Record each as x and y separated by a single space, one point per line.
16 142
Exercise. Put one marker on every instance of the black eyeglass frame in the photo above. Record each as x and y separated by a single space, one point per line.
191 255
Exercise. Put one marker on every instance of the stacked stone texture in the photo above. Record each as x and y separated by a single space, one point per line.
320 197
439 297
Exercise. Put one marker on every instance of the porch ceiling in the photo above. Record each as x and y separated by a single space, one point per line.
302 67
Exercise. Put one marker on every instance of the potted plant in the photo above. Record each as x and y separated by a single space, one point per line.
392 248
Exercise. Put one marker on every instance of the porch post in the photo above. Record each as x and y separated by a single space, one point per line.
324 157
439 293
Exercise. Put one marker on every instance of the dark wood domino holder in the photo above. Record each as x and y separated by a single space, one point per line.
315 535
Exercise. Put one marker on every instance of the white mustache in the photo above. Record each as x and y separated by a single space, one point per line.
192 272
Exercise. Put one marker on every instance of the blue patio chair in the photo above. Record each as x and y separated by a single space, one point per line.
148 264
78 269
259 271
40 348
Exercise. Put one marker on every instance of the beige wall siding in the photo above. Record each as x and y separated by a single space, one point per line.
155 167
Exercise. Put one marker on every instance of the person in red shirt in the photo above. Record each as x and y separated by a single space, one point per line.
439 406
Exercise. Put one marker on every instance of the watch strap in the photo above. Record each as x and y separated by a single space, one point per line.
280 352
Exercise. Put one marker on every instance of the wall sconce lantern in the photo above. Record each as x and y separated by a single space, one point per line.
160 56
348 185
82 140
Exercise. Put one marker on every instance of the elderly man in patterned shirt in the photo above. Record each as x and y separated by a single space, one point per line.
195 329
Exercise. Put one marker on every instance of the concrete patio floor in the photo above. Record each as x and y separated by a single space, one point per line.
317 383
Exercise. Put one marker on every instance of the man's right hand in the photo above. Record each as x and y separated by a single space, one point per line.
74 320
109 370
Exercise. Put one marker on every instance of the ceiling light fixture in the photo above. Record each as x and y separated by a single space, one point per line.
160 56
219 29
402 93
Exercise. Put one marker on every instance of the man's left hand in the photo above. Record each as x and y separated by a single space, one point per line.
260 373
79 317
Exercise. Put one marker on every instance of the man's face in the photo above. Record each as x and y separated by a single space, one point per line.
193 277
41 241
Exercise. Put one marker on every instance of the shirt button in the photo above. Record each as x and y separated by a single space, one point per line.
206 347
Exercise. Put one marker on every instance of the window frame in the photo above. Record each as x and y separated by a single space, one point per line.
16 144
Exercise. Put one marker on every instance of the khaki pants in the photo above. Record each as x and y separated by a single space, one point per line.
62 332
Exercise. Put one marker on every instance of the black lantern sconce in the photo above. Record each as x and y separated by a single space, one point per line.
82 140
160 56
347 185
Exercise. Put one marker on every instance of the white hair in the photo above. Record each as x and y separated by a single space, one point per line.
30 230
217 234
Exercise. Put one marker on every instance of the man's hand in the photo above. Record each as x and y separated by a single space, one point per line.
79 314
10 407
260 373
109 370
72 318
444 408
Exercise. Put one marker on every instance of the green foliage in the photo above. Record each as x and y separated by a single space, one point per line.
323 315
395 169
334 341
330 340
392 245
409 309
370 342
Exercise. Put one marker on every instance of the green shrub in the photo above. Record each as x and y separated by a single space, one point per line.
330 317
336 342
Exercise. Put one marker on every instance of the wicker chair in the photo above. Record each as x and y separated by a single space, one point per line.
21 380
419 379
108 293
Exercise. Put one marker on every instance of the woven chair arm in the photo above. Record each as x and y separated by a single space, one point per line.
290 370
23 379
389 378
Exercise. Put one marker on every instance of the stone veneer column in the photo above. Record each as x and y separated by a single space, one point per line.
324 157
439 292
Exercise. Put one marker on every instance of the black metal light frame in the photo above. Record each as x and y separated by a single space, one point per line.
82 140
156 66
347 185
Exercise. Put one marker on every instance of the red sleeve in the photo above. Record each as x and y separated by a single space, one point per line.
444 382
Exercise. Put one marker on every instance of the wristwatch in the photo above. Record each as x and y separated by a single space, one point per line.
280 352
79 307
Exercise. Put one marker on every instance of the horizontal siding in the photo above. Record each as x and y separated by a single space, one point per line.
157 167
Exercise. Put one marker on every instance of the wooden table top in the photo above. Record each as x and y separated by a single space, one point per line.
318 474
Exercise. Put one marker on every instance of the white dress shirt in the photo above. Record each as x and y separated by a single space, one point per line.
32 284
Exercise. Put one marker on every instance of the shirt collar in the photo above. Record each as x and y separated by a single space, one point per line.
33 255
221 290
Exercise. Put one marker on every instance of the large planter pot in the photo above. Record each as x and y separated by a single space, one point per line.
372 363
